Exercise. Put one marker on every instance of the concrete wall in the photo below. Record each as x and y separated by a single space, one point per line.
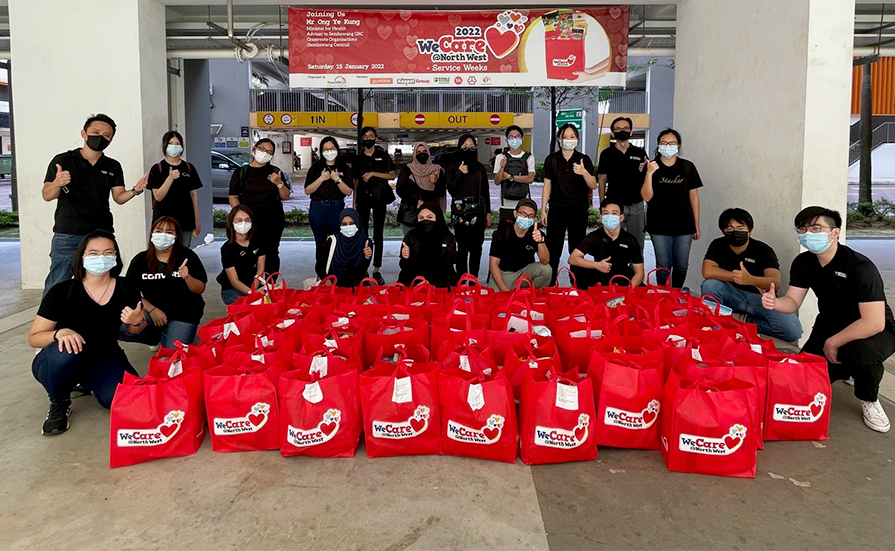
196 135
660 85
229 80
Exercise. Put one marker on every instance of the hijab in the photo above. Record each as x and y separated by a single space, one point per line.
421 172
349 250
440 229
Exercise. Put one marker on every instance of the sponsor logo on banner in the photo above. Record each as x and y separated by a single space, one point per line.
414 426
253 422
713 446
562 438
374 80
489 434
630 420
568 62
324 431
441 80
129 438
789 413
406 81
458 80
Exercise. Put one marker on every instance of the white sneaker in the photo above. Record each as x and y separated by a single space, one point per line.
874 416
154 348
850 381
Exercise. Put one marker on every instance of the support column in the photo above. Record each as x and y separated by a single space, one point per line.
113 63
197 134
762 93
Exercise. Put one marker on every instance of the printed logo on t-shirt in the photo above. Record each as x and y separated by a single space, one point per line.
107 173
622 245
159 275
635 158
840 274
529 247
675 180
752 260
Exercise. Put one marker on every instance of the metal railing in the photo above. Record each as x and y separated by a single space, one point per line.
391 101
628 101
884 133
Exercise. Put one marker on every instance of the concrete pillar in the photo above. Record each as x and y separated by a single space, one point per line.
762 92
113 62
660 87
197 134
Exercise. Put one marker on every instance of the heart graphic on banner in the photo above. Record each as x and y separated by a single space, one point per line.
500 42
515 17
327 428
168 430
324 59
619 61
307 58
399 44
414 22
615 12
410 52
816 409
411 39
388 15
648 416
732 442
384 31
508 68
581 434
256 419
503 19
372 22
402 30
623 49
491 434
405 15
417 424
400 64
300 45
455 20
411 67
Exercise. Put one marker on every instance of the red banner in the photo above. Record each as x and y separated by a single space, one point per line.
389 49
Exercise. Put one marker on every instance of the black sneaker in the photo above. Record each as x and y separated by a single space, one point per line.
57 418
378 277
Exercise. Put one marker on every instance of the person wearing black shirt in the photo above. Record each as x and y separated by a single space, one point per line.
76 329
738 268
371 171
263 188
467 182
671 190
621 167
854 329
429 250
514 171
242 258
174 184
171 279
614 251
514 246
80 181
420 181
568 179
348 252
327 185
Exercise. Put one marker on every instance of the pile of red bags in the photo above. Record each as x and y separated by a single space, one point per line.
545 374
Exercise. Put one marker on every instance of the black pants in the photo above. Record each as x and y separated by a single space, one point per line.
862 359
469 247
559 220
364 205
269 222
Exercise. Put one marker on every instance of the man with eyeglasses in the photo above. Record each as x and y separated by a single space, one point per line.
514 245
621 167
854 329
614 252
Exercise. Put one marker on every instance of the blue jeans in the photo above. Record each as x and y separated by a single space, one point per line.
673 253
786 327
99 371
62 253
229 296
165 336
325 221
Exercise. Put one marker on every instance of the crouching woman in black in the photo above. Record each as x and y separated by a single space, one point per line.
429 250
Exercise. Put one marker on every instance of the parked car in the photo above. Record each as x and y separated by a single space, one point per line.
223 163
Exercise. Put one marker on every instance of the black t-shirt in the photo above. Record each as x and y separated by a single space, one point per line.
757 257
169 292
379 161
254 188
624 176
85 206
567 189
69 305
178 204
474 184
623 253
329 189
669 212
244 259
849 279
514 252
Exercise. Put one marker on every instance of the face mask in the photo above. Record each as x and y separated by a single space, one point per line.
427 225
524 223
736 238
469 154
817 242
622 135
162 240
803 239
99 265
330 154
174 150
262 157
368 143
515 143
97 143
422 158
668 151
611 221
242 228
569 145
349 230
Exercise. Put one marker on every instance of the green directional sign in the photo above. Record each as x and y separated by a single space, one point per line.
576 117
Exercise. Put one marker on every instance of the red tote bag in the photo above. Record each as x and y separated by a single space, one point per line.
799 398
474 357
242 408
324 361
521 361
629 399
386 334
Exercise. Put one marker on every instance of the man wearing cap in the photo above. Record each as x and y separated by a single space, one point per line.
515 245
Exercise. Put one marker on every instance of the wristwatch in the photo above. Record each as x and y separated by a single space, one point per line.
512 178
280 186
135 192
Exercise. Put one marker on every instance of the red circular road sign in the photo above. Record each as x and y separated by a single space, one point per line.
419 118
495 119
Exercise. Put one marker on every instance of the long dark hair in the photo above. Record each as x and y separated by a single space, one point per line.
167 138
231 233
77 263
152 252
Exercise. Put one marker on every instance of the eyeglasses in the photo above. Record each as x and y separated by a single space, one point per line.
240 220
667 143
95 255
814 228
473 148
527 216
268 151
623 129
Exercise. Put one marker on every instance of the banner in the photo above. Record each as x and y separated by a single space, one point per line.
422 49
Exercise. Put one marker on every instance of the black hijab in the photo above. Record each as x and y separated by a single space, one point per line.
349 250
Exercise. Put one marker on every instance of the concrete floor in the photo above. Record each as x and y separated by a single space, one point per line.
60 489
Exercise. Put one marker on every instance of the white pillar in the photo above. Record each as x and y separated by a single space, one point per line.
762 90
74 59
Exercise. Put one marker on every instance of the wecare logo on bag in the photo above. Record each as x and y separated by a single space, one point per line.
152 437
629 420
416 425
252 422
561 438
713 446
322 433
789 413
489 434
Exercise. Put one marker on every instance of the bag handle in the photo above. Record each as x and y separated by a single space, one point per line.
527 316
467 315
656 270
703 383
572 277
270 284
322 285
618 276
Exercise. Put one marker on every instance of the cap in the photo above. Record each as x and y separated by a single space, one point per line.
527 203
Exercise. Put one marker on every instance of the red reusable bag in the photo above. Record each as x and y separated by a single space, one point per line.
325 361
478 416
242 408
708 428
229 330
556 415
473 357
400 407
521 360
385 334
319 416
629 398
799 398
458 324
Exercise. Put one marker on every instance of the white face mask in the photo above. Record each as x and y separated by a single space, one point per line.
174 150
242 228
349 230
262 157
330 154
162 241
569 145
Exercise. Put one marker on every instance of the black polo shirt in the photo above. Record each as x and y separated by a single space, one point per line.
244 259
624 175
253 186
514 252
329 189
85 206
756 257
178 203
669 211
848 280
168 291
379 161
567 189
623 252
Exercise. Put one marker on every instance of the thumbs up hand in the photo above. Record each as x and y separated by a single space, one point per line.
742 277
652 167
405 251
536 234
579 169
173 174
132 316
463 168
276 178
183 271
604 265
769 299
141 183
63 177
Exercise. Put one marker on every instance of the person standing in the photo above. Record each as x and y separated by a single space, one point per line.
80 182
429 250
614 251
420 181
261 186
622 167
174 184
327 185
242 259
854 329
348 252
372 170
671 190
515 245
568 178
514 171
467 182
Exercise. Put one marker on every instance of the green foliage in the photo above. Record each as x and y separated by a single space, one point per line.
876 213
297 217
220 218
539 172
9 219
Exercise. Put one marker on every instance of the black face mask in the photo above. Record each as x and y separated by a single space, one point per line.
97 143
622 135
736 238
427 225
469 155
423 158
368 143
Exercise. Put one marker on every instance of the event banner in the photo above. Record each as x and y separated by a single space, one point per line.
422 49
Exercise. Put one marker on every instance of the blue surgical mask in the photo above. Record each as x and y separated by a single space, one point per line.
611 221
349 230
668 151
803 239
524 223
100 264
817 242
162 241
515 143
174 150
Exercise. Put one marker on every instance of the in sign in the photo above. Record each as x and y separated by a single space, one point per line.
286 119
268 119
495 119
354 119
419 118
